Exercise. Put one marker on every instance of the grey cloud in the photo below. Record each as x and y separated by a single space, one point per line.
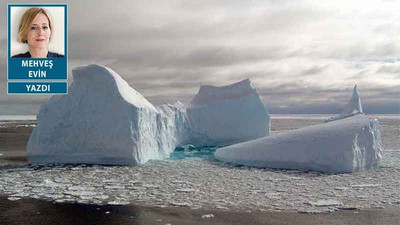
389 69
314 70
167 50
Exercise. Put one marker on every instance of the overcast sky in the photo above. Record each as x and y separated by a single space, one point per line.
301 56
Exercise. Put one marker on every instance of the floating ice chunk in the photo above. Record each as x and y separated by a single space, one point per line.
186 190
314 211
13 198
207 216
117 187
366 185
347 145
325 203
118 202
181 204
341 188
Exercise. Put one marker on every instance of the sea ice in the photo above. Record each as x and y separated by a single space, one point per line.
325 203
207 216
341 146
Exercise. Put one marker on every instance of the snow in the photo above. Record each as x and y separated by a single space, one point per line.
352 108
341 146
104 121
227 115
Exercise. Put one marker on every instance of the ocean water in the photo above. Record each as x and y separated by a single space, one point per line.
192 178
190 151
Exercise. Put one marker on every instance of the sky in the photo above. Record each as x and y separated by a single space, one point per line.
301 56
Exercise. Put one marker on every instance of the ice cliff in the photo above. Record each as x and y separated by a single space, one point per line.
228 114
104 121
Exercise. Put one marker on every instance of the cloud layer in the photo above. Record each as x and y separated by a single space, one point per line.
302 56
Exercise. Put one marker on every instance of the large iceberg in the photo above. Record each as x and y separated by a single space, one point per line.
104 121
347 145
228 114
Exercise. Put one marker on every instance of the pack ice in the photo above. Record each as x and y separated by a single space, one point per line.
341 146
104 121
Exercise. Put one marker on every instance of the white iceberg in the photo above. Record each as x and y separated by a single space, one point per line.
347 145
228 114
101 121
104 121
352 108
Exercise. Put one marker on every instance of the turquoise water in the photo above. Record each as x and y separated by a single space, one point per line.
190 151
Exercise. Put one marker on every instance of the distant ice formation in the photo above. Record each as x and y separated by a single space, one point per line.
341 146
352 108
104 121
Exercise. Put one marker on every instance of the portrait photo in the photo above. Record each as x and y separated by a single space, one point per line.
37 32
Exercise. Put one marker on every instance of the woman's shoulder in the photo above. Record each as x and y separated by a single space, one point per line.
54 55
22 55
28 55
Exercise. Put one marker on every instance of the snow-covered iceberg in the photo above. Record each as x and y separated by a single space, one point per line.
352 108
228 114
341 146
104 121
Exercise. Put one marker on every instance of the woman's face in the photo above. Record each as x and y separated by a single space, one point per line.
39 32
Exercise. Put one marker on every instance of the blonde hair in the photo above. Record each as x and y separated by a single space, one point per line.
26 22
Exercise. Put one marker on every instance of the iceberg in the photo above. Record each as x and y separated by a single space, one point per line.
103 120
227 115
341 146
352 108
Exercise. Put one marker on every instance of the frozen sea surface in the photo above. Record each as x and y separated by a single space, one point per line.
193 179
